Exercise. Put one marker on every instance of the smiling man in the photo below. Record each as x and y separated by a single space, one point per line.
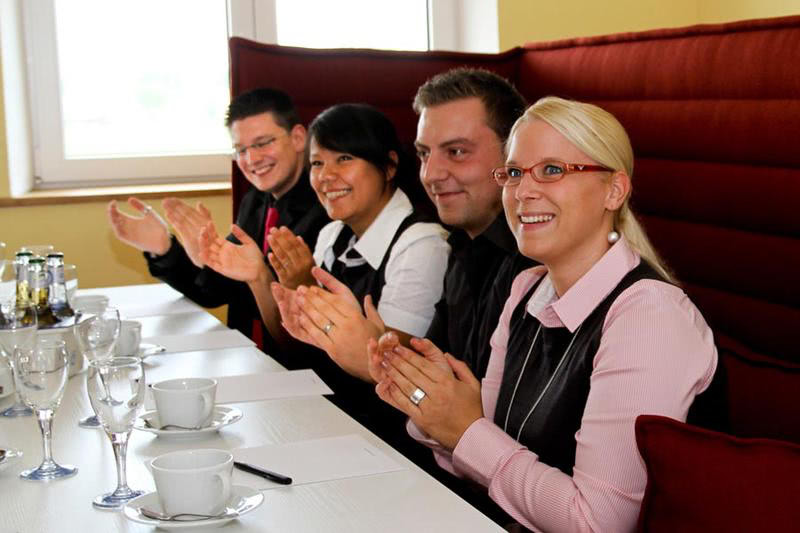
465 116
269 147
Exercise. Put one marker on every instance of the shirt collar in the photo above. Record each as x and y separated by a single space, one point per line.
497 234
374 243
587 293
296 202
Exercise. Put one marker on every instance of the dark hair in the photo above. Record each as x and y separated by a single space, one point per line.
363 131
260 101
503 103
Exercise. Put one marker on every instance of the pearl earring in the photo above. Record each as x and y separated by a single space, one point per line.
613 237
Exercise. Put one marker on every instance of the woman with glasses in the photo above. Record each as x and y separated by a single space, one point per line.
594 337
378 248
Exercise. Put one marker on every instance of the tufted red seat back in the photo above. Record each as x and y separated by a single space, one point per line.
714 115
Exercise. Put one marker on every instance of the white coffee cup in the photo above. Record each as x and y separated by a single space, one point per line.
193 481
186 402
130 336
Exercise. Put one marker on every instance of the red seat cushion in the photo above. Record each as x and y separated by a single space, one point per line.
700 480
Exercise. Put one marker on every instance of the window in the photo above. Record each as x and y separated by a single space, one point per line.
135 92
129 90
387 25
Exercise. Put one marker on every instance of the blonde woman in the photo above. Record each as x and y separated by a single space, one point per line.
586 342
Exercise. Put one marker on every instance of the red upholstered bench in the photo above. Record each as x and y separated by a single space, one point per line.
714 115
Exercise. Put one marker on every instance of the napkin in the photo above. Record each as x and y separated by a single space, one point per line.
265 386
313 461
211 340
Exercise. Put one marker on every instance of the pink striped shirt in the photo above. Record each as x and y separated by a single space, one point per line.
656 353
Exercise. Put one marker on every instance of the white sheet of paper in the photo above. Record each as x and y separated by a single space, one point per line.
266 386
312 461
211 340
145 300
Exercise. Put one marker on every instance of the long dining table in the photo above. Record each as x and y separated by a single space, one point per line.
404 500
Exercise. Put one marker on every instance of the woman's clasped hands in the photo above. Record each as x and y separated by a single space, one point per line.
437 391
330 318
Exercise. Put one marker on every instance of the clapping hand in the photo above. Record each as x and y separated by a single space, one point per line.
291 258
331 320
441 400
148 233
188 223
242 262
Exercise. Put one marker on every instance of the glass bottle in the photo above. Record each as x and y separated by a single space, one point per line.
21 261
59 302
39 280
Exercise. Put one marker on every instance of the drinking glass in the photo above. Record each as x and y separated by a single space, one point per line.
41 373
97 334
116 390
18 325
71 281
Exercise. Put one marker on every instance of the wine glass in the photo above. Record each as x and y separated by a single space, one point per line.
116 390
41 373
97 334
18 325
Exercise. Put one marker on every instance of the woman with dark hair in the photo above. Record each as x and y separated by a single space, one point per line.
378 247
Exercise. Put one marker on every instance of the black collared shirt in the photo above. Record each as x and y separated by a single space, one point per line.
476 285
298 209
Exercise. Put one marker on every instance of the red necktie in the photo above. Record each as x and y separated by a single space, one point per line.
270 221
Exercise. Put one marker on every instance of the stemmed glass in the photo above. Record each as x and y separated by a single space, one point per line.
116 390
97 334
18 325
41 373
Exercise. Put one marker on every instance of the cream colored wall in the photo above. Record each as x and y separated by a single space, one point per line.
524 21
715 11
81 231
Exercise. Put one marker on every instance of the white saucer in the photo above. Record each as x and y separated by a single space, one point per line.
146 350
223 416
11 457
243 500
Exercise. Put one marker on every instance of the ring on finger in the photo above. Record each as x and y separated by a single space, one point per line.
417 396
328 327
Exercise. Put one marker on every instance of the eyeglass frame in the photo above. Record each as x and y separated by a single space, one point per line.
241 153
569 168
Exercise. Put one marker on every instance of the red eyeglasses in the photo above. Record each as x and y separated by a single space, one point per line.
543 172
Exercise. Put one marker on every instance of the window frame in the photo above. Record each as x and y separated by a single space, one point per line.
33 114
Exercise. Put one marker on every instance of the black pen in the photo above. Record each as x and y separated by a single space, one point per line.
272 476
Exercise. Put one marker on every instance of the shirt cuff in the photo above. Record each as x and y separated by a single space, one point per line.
402 320
169 259
482 450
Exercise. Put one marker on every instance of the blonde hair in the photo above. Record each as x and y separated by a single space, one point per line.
600 136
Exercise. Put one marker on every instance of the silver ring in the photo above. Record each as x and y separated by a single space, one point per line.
147 208
417 396
328 327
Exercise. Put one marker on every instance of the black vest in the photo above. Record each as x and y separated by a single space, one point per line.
364 279
358 398
550 430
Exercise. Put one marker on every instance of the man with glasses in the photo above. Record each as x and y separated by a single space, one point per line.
269 148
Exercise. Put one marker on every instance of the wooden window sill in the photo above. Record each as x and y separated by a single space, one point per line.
104 194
